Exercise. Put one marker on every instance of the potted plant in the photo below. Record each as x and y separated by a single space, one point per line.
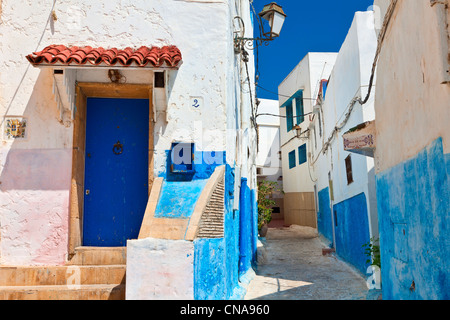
265 189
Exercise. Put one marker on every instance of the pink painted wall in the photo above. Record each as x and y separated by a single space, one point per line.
34 203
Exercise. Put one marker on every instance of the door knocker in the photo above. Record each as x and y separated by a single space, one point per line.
118 148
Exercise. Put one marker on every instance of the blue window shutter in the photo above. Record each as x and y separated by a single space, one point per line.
302 154
299 108
289 117
292 159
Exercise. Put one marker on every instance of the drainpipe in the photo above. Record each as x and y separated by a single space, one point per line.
254 213
245 245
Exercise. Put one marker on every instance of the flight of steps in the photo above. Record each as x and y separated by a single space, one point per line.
212 221
92 274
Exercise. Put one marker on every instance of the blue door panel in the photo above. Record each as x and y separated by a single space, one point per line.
116 179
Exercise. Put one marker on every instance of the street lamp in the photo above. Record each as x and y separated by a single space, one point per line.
298 131
275 16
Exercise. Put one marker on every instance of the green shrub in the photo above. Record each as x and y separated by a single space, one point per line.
265 189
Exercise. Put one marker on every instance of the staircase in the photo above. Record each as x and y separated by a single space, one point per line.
92 274
212 221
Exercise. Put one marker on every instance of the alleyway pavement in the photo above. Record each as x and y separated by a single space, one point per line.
292 267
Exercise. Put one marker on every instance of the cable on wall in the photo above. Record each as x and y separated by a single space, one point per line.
337 128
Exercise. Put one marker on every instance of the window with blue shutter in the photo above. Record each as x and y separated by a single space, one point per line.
302 154
299 111
289 117
299 107
292 159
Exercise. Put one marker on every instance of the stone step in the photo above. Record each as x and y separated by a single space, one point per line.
93 273
62 292
99 256
61 275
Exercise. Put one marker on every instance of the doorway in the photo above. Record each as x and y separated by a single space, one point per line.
102 154
116 170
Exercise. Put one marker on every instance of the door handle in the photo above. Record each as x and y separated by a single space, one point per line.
118 148
88 192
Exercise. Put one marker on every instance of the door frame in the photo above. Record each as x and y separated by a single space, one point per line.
86 90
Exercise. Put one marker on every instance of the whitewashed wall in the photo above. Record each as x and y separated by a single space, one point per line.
34 222
160 269
409 92
349 79
306 76
268 158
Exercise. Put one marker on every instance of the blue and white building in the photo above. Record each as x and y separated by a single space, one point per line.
412 161
162 78
297 96
346 198
323 182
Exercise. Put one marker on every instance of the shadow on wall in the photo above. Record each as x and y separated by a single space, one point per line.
35 179
160 125
43 159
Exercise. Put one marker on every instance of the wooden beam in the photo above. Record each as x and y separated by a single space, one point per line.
115 90
77 186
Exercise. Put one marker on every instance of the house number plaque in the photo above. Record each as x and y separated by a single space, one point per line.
196 103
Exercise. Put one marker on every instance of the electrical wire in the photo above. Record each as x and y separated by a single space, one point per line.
49 17
258 18
282 95
280 116
350 107
296 137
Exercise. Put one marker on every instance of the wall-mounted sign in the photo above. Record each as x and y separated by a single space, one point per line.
15 128
359 142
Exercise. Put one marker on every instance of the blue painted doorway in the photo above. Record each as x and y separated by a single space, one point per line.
116 170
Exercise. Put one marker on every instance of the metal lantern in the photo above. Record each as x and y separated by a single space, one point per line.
275 15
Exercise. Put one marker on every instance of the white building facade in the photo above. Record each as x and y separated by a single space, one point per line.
268 161
345 181
297 96
412 161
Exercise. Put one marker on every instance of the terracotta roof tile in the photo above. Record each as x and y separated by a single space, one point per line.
60 54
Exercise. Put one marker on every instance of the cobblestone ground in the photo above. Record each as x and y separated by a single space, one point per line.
292 267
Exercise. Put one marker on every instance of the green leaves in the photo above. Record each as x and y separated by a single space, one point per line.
265 204
372 251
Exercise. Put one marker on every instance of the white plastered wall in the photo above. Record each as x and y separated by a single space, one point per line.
305 76
202 30
268 158
349 79
412 100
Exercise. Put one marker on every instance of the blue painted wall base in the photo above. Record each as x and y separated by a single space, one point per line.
414 220
352 231
245 229
178 198
324 222
222 267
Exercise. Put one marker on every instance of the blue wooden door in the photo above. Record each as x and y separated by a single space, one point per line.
116 170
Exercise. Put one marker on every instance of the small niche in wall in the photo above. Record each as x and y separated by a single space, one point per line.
182 157
159 79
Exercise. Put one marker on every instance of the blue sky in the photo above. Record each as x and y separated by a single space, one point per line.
310 26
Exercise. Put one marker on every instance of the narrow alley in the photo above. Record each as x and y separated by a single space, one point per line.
292 267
